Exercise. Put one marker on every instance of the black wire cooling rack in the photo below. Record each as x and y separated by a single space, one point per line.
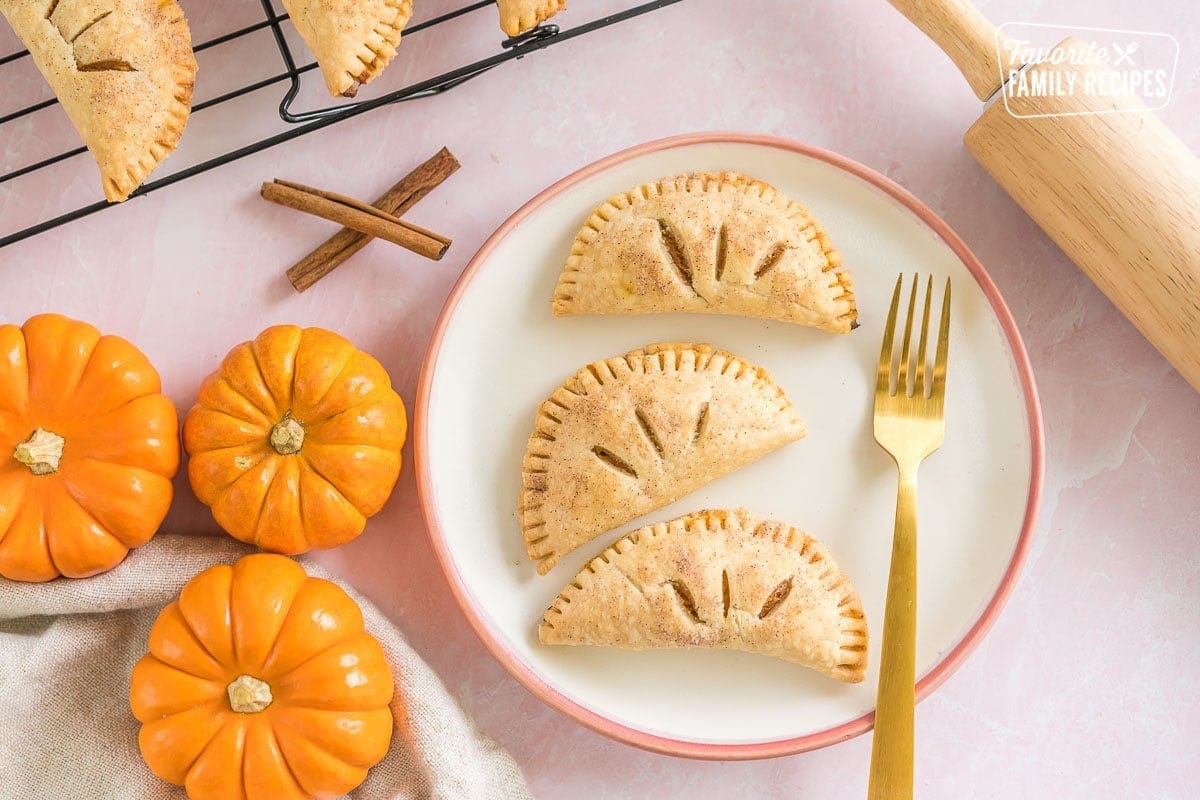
299 122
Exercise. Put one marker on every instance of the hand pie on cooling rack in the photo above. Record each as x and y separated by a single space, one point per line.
353 42
717 579
518 16
629 435
123 71
718 243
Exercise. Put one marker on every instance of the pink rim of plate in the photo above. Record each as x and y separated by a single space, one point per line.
679 747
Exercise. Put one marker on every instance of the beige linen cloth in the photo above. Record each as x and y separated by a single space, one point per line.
67 649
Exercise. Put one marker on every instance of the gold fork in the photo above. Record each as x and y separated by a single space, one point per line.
909 427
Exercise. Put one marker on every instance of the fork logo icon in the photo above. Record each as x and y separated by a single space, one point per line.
1124 54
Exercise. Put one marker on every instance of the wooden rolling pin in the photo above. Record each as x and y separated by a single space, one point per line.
1118 192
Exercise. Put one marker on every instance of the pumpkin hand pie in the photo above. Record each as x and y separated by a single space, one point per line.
518 16
716 243
628 435
353 40
123 71
717 579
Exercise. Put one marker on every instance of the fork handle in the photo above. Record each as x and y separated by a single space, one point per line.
892 746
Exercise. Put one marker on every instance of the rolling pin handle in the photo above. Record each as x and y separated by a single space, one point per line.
965 35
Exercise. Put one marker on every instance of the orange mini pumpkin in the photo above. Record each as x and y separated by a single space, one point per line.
295 441
261 683
88 447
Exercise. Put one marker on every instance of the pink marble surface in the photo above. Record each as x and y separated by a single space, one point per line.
1085 687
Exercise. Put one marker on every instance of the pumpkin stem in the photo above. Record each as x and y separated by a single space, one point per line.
248 695
287 437
41 452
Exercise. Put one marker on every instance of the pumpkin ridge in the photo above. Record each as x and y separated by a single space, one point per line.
289 352
283 676
262 376
270 464
117 464
250 449
268 414
295 354
191 634
16 403
283 723
310 707
308 741
300 738
72 491
269 673
201 719
382 403
210 684
232 721
277 676
261 432
143 370
9 489
233 644
303 532
265 417
147 449
262 505
364 505
99 417
282 464
259 672
219 710
67 389
292 402
197 603
35 512
373 398
217 706
50 530
332 485
268 723
319 445
316 403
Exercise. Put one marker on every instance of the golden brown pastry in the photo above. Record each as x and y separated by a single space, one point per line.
719 579
123 71
353 40
628 435
716 243
518 16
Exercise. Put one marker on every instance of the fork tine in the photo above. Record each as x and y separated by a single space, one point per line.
943 347
904 369
883 379
924 341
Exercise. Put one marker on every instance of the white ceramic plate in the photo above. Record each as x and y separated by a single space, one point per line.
498 352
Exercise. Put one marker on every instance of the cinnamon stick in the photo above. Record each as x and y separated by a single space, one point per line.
396 201
373 211
379 225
